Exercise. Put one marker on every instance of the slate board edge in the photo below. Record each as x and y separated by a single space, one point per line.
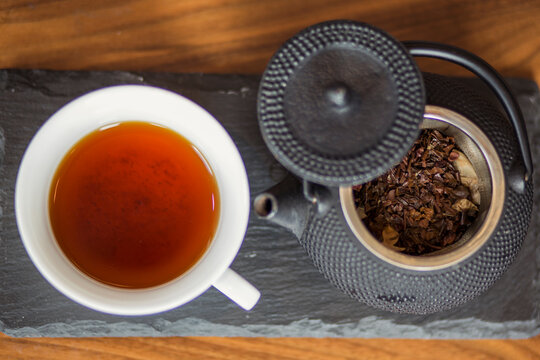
370 327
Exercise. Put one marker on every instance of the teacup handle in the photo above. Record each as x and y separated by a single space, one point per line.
238 289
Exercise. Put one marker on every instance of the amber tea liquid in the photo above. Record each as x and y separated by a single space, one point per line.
134 205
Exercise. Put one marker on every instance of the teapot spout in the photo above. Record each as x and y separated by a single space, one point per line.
284 204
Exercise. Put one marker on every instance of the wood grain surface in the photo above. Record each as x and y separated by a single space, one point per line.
236 36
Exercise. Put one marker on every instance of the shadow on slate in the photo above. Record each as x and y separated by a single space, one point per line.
296 299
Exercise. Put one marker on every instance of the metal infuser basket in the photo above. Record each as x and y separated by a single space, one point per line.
340 104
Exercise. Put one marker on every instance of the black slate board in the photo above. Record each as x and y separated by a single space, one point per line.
296 299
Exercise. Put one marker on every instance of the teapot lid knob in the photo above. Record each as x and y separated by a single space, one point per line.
340 103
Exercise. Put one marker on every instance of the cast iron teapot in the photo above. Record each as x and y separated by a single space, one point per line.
341 103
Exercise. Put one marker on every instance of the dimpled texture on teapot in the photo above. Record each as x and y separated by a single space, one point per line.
363 276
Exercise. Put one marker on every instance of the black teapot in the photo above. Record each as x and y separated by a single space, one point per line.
341 103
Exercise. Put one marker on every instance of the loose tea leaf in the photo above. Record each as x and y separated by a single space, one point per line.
423 204
390 238
468 175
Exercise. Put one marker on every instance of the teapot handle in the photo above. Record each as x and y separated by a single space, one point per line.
494 80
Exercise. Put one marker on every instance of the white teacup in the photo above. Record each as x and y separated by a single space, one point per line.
141 103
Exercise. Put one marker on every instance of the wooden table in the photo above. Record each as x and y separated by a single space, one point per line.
239 36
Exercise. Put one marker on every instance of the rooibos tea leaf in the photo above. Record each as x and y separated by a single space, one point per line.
423 204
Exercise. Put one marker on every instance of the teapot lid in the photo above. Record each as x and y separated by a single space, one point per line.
340 103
